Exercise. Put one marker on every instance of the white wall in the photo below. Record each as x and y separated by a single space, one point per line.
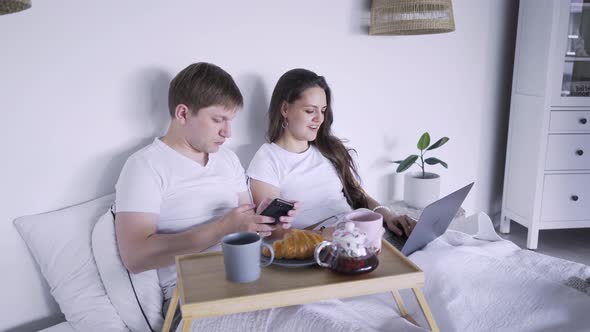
84 84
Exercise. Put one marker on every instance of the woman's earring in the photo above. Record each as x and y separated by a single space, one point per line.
285 123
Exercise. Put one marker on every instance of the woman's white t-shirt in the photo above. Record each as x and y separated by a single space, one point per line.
158 179
307 177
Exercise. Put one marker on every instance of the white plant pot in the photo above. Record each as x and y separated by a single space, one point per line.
420 192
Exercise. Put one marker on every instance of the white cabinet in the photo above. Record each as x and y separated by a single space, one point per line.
568 152
570 121
565 197
547 175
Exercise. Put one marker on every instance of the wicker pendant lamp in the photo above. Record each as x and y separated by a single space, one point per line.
411 17
13 6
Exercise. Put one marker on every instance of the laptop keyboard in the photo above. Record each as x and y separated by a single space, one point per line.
397 241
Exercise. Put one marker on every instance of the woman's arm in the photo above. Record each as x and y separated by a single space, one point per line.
261 190
263 193
394 222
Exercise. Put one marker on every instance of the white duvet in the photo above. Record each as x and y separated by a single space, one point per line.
473 283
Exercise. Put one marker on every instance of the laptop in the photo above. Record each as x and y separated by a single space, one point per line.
433 222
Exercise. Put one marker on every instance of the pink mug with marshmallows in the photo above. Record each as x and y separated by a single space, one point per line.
370 223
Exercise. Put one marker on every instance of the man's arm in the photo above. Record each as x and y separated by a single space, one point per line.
142 249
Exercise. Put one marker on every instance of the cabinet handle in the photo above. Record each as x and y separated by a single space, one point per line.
579 152
574 198
583 120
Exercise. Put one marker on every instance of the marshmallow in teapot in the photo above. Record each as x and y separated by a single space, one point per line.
350 239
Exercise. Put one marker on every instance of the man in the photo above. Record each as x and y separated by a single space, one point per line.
184 192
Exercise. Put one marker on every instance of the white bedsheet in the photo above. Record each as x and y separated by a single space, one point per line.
471 285
474 285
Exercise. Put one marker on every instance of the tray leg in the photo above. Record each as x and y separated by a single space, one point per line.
186 324
425 309
402 308
171 310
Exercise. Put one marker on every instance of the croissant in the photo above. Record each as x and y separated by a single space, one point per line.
296 244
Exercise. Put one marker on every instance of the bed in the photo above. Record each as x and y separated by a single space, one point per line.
475 281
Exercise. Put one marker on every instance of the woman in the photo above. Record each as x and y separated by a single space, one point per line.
305 162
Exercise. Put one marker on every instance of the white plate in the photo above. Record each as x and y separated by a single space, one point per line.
291 262
295 262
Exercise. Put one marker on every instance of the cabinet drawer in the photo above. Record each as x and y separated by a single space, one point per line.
568 152
570 121
566 197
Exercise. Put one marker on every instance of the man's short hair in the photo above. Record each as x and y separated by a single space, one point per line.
202 85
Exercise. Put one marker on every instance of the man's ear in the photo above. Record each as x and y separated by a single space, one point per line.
181 112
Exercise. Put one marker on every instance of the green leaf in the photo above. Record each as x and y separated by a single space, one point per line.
406 163
434 161
438 143
397 161
424 141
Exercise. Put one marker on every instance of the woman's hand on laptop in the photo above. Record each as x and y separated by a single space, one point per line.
400 224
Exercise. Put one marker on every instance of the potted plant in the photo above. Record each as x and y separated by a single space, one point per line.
421 188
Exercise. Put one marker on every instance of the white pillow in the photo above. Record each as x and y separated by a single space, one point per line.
60 243
118 286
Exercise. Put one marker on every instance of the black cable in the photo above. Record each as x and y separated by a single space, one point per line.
139 304
134 292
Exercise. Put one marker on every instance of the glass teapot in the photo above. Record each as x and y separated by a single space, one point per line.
348 252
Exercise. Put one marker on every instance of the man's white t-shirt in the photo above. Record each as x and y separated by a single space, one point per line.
157 179
307 177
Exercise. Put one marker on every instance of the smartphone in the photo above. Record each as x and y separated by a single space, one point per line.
276 209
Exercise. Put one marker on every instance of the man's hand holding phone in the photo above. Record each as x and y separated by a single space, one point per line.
243 219
281 210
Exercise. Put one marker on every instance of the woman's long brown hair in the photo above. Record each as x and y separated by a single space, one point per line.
289 89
